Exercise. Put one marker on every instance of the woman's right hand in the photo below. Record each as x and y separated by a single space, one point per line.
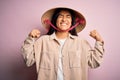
35 33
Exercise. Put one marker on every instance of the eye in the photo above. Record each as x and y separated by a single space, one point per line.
68 16
60 16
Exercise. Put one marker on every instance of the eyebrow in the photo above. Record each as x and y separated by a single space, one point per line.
63 14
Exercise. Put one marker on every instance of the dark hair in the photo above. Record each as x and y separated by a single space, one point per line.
54 19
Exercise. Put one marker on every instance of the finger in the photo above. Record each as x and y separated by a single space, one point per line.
92 34
38 35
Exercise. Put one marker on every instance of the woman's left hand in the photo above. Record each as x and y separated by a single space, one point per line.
94 34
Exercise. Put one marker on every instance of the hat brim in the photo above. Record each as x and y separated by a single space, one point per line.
48 15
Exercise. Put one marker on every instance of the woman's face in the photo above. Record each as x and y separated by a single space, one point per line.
64 20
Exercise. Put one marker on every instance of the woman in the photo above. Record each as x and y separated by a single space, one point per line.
61 54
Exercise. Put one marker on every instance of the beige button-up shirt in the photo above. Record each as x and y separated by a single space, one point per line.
77 55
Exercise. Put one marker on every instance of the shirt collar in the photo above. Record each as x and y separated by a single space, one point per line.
53 36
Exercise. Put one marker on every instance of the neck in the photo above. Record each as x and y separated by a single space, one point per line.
62 35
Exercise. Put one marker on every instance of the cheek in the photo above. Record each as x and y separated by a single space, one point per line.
70 23
57 23
70 20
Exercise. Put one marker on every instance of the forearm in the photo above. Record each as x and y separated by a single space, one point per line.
96 55
28 51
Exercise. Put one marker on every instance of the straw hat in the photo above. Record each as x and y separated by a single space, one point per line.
49 13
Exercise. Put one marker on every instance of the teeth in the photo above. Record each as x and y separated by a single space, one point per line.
63 24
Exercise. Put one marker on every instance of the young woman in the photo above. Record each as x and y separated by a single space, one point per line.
61 54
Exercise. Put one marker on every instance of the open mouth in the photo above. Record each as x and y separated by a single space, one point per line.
64 24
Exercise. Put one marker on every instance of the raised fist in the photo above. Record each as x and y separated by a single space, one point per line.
94 34
35 33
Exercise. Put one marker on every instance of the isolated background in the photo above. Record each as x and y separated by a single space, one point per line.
19 17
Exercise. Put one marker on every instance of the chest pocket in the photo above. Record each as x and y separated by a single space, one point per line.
74 59
46 61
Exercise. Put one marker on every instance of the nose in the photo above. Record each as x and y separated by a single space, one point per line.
64 18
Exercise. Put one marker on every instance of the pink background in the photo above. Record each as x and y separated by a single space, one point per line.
19 17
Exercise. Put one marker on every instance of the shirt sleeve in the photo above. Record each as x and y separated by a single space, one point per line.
28 51
94 55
